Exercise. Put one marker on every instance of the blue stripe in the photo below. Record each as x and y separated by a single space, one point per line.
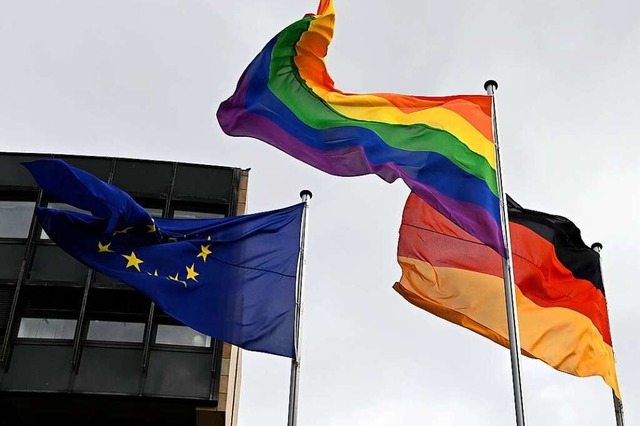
427 168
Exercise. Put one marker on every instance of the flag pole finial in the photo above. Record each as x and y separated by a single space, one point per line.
491 83
596 247
306 194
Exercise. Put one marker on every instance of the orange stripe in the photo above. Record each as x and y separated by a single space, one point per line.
429 236
562 338
473 108
323 6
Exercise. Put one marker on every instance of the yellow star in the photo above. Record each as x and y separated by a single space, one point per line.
104 248
152 227
132 260
191 273
172 239
155 274
177 279
123 231
209 238
204 252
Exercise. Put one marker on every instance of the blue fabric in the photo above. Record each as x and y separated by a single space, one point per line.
233 279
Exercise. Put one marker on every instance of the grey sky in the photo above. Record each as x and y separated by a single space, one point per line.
144 78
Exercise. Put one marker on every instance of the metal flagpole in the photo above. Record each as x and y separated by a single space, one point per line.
507 268
305 195
617 403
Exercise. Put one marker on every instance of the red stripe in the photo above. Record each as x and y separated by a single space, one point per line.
473 108
426 235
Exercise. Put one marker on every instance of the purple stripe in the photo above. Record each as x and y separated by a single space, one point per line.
236 120
351 162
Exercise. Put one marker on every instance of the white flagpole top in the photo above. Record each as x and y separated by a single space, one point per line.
305 194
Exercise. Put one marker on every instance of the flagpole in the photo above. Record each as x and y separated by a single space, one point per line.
617 402
507 268
305 195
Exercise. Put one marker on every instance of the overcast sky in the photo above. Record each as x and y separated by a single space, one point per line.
143 79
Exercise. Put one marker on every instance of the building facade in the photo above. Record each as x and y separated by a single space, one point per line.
80 348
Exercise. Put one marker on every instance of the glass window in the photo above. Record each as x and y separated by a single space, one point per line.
15 218
47 328
186 214
49 312
117 315
181 335
61 206
154 212
116 331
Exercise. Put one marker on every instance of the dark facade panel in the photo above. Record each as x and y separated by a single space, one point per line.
52 264
99 167
189 374
109 370
104 281
102 410
14 175
11 255
7 292
206 183
137 177
39 368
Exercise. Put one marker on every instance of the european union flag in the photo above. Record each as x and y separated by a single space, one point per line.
232 278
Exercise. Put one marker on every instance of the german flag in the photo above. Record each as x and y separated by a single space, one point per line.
562 310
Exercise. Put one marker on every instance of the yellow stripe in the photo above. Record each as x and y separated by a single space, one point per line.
312 48
565 339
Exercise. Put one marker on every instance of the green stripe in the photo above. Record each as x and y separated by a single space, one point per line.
285 83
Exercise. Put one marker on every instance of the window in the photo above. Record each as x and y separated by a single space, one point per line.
116 331
117 315
49 312
15 218
181 335
154 212
47 328
186 214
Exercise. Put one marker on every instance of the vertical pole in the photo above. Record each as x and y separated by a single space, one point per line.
305 195
507 268
617 403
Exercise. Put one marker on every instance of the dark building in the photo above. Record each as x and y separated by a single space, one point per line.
77 348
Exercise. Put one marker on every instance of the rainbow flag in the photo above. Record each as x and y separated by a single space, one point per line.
441 147
562 309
